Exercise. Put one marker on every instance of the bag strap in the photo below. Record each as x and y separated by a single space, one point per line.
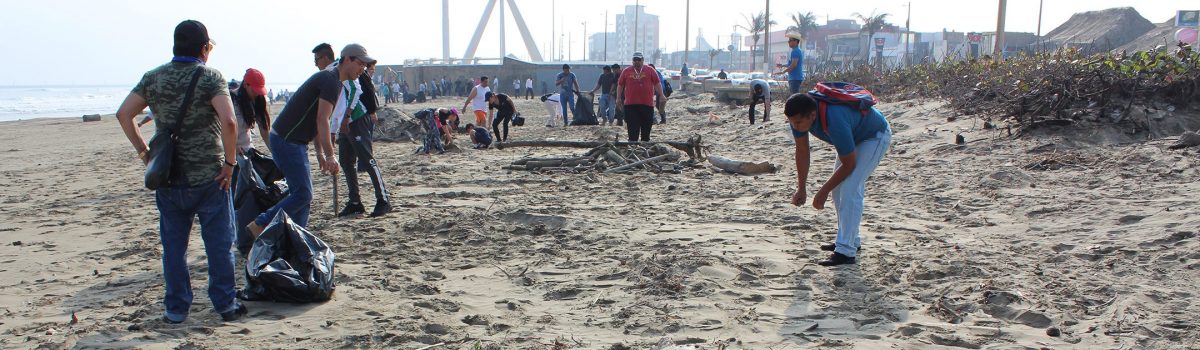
187 100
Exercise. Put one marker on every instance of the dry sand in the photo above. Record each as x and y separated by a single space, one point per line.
964 247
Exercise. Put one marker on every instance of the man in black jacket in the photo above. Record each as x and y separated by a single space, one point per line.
355 148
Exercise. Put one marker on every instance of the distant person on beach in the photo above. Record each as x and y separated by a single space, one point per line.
661 103
250 107
568 85
637 87
722 75
202 169
480 139
517 87
149 117
760 92
604 84
505 111
478 102
432 121
529 88
356 150
861 141
304 120
552 108
618 112
795 66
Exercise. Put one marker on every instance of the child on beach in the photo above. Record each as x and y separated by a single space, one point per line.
479 137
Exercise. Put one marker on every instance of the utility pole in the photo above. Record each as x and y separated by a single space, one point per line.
908 35
585 53
999 51
637 12
1039 30
687 27
767 45
605 54
553 26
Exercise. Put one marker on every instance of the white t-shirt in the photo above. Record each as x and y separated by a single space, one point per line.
480 104
529 83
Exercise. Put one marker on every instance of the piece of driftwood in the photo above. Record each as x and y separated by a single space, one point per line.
693 146
742 167
638 163
91 117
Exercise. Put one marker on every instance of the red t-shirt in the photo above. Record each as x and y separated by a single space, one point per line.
639 86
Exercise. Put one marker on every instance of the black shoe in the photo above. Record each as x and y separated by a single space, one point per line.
235 314
352 209
830 246
381 209
168 320
836 259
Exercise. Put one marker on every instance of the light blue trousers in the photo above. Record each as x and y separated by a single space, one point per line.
848 196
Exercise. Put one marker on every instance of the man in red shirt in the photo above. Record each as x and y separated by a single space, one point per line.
636 89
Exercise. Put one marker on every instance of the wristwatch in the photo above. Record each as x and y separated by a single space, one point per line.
229 164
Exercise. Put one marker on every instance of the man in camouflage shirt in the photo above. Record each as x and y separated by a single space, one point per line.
203 168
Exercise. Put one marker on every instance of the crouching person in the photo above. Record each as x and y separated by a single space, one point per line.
479 137
861 140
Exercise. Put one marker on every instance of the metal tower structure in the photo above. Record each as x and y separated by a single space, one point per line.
534 54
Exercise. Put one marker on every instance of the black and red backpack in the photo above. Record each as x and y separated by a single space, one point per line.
840 93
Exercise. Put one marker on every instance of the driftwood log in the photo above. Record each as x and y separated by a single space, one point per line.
742 167
693 146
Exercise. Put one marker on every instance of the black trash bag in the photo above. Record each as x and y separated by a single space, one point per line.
255 178
264 166
585 114
288 264
518 120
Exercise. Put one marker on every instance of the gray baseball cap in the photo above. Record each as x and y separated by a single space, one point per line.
356 50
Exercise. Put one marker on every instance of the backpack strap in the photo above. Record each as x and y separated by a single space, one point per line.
822 107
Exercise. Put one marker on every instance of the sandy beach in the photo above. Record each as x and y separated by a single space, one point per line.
1061 239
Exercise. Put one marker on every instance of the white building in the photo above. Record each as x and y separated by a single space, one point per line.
636 31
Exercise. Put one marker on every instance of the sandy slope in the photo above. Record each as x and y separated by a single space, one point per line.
964 246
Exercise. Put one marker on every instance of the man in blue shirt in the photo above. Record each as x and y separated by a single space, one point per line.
861 142
568 85
795 65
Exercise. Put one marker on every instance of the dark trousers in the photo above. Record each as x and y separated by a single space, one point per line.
354 154
754 102
528 93
501 118
638 121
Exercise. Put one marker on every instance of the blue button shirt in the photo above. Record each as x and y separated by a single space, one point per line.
847 127
568 84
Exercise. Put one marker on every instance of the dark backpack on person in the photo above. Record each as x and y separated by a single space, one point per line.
840 93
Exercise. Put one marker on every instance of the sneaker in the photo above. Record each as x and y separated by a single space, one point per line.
352 209
829 247
836 259
235 314
168 320
381 209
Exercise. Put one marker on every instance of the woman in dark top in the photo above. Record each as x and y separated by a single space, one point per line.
505 111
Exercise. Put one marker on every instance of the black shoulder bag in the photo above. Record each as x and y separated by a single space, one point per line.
162 146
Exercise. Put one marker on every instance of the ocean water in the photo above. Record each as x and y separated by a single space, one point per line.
28 102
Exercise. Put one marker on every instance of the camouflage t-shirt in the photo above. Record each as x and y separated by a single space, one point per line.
198 153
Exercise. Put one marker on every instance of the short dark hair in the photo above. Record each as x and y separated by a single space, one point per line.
323 50
470 126
566 66
483 78
799 104
607 68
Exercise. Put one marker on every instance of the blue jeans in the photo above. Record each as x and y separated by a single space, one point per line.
794 86
848 196
564 99
607 107
292 159
177 206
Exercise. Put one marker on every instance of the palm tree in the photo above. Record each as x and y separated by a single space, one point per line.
712 54
756 25
803 23
873 24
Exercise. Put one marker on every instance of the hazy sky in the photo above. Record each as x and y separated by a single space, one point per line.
84 42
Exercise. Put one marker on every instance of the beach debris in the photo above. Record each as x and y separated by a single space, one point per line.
1188 139
395 125
611 157
91 117
742 167
608 159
